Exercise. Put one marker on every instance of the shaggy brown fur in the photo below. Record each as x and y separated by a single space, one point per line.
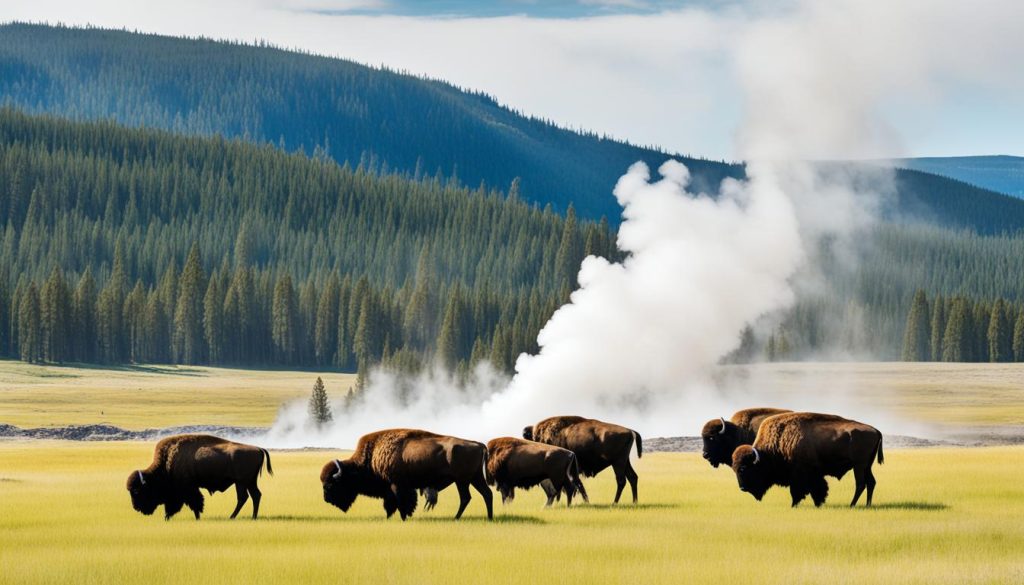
393 464
721 438
597 445
184 464
800 449
516 463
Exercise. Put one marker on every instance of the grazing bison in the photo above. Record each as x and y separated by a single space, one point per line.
184 464
596 444
515 463
394 464
801 448
721 437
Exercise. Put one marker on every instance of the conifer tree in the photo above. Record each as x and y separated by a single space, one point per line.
956 341
85 338
917 336
55 307
188 313
319 405
938 328
1000 334
29 334
326 330
213 321
567 260
284 319
1018 337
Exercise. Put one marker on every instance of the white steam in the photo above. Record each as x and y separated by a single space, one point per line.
639 341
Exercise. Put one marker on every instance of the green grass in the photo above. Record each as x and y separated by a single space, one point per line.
941 516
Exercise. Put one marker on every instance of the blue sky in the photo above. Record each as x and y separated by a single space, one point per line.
663 72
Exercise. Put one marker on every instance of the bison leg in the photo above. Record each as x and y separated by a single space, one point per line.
797 492
819 490
859 477
464 497
551 490
620 481
508 493
480 484
243 497
390 505
257 495
632 477
172 506
195 501
871 485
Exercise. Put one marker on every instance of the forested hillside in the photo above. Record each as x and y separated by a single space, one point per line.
378 119
139 245
1000 173
354 113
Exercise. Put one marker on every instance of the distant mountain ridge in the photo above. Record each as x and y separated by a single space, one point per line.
376 118
999 173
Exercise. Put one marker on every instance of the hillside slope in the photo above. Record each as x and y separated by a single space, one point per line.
1003 174
377 118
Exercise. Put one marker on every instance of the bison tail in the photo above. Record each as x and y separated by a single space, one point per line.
266 459
639 442
487 475
881 456
574 477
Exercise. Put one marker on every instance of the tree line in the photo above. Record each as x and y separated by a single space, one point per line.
960 329
136 245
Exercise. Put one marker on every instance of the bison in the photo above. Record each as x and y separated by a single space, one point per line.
393 464
801 448
721 437
596 444
516 463
184 464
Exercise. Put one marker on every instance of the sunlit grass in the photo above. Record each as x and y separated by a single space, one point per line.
136 397
942 516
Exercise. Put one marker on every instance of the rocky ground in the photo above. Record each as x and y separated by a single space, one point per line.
969 438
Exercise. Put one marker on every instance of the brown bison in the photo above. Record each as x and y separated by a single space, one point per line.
394 464
721 437
596 444
516 463
801 448
184 464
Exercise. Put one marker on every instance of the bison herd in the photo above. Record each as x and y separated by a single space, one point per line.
764 446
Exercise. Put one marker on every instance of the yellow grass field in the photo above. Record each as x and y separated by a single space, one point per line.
139 397
941 516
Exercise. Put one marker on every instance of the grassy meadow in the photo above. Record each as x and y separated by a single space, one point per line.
140 397
941 516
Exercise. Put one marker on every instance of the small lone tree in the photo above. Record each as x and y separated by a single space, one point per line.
319 407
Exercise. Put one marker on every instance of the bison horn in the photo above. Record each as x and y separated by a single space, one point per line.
141 479
757 456
338 465
722 432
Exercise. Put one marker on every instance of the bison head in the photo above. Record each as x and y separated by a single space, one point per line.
720 438
528 433
341 483
751 471
144 490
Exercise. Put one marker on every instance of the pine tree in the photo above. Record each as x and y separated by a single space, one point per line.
85 338
29 334
567 260
135 324
1000 335
319 405
188 313
449 340
956 342
213 321
110 313
1018 337
917 336
369 337
55 306
284 320
326 330
938 327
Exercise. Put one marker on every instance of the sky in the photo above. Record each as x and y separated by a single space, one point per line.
654 72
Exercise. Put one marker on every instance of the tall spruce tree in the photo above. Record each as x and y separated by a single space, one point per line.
1018 337
213 320
1000 334
319 405
30 336
917 338
957 341
188 313
284 320
938 327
